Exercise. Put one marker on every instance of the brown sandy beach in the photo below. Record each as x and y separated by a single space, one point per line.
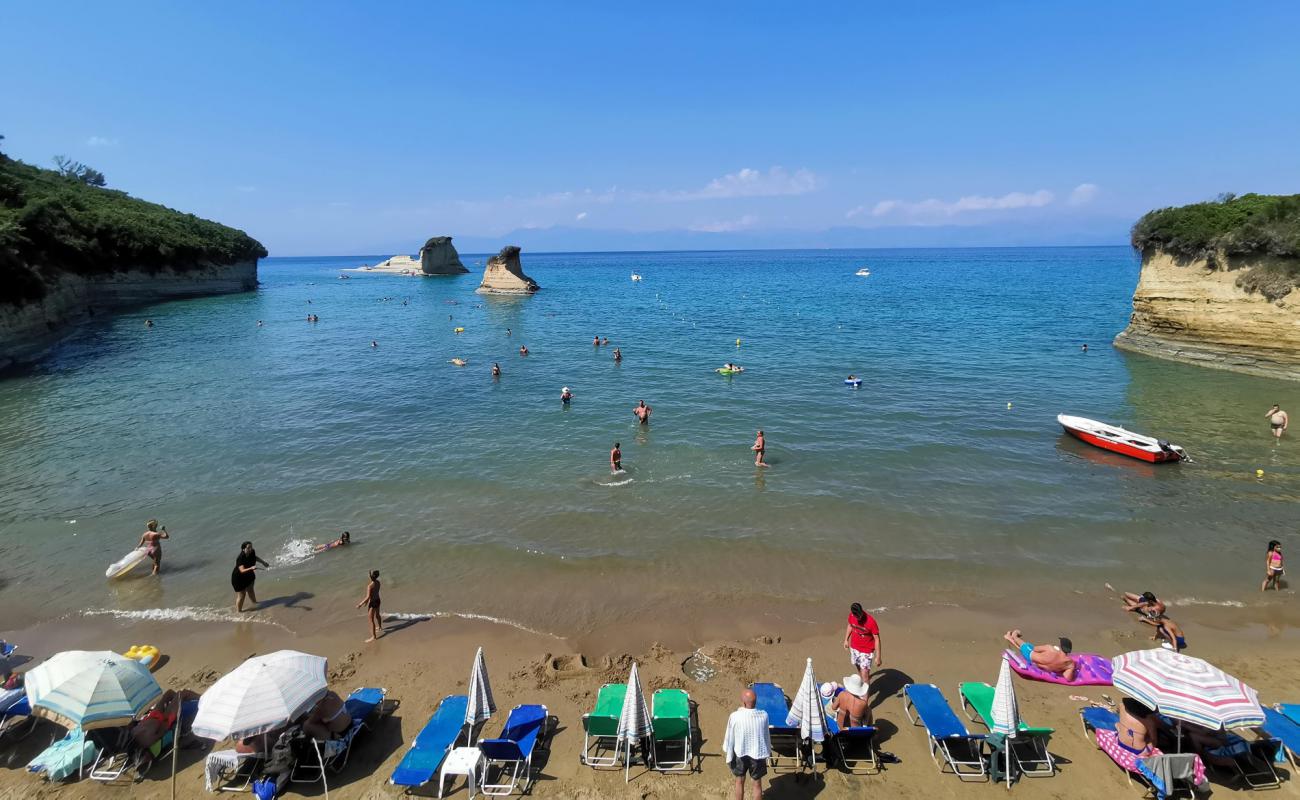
421 661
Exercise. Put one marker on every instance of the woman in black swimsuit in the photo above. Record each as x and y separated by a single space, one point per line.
371 602
244 574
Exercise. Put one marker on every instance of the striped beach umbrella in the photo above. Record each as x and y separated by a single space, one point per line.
806 710
1187 689
93 689
634 723
481 705
260 695
1006 711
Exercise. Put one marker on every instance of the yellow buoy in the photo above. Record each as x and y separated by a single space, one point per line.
1259 473
1008 405
459 330
737 343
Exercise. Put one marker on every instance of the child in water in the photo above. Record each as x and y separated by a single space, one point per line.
1273 567
342 541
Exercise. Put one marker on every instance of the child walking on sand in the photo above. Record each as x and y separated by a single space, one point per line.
371 602
1273 567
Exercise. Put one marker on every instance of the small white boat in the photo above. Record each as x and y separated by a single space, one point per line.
635 277
864 272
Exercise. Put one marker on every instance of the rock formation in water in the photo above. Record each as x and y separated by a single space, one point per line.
504 275
1218 286
439 257
70 250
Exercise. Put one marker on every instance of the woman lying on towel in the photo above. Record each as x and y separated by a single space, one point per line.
328 719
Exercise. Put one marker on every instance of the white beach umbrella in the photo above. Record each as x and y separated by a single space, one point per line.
806 710
634 723
481 705
93 689
1006 712
260 695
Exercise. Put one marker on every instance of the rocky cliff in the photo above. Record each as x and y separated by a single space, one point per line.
504 274
1199 312
439 257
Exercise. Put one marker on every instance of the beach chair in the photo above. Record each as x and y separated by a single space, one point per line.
118 752
1251 762
1028 748
511 753
432 744
670 712
64 758
333 754
16 719
1099 727
962 751
1285 730
785 739
600 727
855 746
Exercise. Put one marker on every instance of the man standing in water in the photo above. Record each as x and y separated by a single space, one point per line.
1277 420
151 541
759 448
642 412
615 459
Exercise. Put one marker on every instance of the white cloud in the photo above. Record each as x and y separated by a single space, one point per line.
1083 194
581 216
725 226
934 209
100 141
776 182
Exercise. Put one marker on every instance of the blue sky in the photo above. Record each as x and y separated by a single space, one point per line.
338 128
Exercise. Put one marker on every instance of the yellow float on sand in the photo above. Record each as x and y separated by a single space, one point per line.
146 654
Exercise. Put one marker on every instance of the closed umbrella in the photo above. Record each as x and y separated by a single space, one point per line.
92 689
481 705
260 695
806 711
1187 689
634 723
1006 712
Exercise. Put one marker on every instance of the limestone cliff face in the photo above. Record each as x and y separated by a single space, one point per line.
504 275
1197 311
439 257
30 331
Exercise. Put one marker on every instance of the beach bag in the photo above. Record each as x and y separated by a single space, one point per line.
265 789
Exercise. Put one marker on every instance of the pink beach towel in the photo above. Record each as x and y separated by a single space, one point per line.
1092 670
1108 741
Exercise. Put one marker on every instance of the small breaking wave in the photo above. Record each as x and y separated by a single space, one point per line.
294 552
467 615
181 613
1196 601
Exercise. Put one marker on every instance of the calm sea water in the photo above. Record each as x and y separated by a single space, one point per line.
944 478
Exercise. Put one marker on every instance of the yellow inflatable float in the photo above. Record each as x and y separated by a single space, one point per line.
459 330
146 654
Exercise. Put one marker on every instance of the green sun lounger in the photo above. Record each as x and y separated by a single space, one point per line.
1029 748
600 727
671 716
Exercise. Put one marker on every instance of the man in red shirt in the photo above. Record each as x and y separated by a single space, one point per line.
862 640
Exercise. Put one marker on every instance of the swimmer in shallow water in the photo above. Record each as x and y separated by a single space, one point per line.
342 541
565 395
615 458
642 412
151 541
618 355
496 370
523 350
759 448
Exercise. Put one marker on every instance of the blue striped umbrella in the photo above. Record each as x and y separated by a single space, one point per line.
93 689
1187 689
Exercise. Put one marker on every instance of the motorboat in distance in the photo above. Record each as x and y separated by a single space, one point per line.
1118 440
862 273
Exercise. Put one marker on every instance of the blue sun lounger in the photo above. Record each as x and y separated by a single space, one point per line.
856 745
947 734
1285 730
785 739
431 745
512 751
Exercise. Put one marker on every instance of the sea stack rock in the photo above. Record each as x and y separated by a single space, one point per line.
504 275
438 257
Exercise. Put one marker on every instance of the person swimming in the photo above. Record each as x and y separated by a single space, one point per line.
565 395
373 343
496 370
343 541
523 350
618 355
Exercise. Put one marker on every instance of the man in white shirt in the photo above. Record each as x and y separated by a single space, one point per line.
748 744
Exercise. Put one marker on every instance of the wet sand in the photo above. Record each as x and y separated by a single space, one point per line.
420 661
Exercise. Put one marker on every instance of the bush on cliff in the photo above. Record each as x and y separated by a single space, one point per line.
1253 224
51 224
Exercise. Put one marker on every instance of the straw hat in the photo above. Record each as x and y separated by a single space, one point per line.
854 685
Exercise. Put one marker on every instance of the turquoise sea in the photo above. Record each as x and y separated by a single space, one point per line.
944 478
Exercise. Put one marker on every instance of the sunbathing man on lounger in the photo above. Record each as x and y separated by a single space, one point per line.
1051 657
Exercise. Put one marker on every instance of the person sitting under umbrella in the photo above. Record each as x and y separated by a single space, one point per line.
328 719
1054 658
1137 728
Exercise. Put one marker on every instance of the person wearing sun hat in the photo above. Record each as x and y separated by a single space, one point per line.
850 704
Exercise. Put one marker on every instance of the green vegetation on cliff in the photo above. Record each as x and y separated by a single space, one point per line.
52 223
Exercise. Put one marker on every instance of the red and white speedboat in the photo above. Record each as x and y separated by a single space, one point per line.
1118 440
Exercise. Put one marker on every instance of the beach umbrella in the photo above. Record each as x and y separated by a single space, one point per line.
481 705
806 710
1006 712
634 723
260 695
1187 689
92 689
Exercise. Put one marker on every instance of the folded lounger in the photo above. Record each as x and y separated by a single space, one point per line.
333 753
962 750
512 751
1028 748
785 739
120 752
431 745
670 713
1100 723
600 727
856 745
